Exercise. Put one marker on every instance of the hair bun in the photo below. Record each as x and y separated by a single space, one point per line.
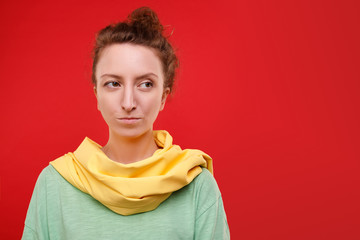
145 20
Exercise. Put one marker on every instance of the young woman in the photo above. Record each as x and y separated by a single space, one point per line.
139 185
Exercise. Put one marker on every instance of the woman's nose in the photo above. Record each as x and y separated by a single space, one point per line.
128 102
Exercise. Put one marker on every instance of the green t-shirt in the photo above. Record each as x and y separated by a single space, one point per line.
58 210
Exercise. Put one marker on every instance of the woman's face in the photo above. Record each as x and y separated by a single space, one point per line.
130 89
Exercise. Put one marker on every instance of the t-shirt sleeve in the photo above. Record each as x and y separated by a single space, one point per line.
211 222
36 217
29 234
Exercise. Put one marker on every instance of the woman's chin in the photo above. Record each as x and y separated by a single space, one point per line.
132 133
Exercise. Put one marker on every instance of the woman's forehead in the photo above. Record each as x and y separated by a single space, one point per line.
122 59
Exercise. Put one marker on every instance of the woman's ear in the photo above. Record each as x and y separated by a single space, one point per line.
97 102
95 92
163 98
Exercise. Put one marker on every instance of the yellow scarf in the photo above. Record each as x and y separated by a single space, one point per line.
136 187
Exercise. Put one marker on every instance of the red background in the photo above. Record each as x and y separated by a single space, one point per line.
270 89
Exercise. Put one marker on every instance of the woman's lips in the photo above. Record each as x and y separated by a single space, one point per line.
129 120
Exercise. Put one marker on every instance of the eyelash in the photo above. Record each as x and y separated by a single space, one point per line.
148 82
111 84
114 84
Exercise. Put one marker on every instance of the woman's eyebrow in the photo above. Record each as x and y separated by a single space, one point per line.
110 75
146 75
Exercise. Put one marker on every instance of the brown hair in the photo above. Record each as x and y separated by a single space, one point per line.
141 27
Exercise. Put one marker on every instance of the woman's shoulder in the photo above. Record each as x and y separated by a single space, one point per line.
206 179
48 172
48 178
206 188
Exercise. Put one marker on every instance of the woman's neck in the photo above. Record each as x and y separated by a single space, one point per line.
129 150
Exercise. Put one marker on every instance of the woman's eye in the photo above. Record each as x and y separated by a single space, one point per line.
146 85
112 84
